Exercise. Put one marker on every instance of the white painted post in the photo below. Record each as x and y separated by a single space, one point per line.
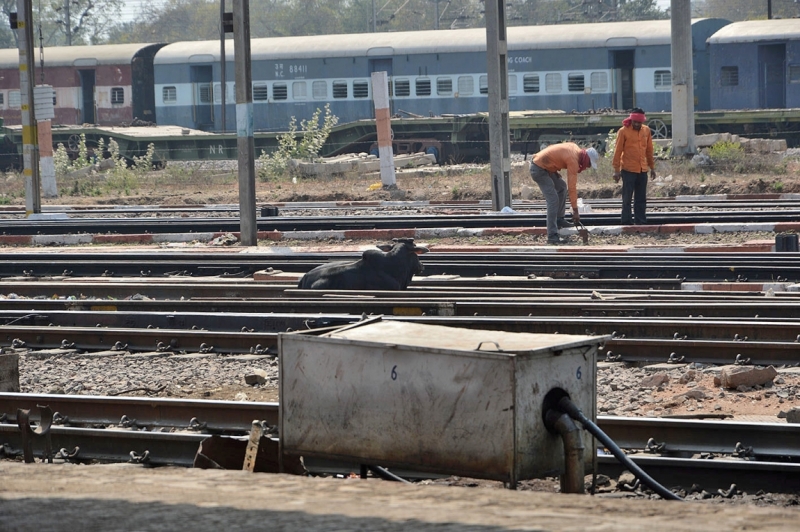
44 111
380 95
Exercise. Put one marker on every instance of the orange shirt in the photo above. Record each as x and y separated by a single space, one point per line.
634 150
562 156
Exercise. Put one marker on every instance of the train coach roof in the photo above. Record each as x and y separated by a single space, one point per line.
608 34
105 54
757 30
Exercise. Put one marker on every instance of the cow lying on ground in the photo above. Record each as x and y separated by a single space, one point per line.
390 267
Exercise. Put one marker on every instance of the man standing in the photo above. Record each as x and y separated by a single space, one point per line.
633 155
544 172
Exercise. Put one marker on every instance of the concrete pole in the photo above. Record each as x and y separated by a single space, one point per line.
30 140
683 142
222 74
497 74
380 95
244 124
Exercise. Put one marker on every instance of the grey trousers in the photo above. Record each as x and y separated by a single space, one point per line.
554 190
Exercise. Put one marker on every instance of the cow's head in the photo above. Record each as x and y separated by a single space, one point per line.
406 247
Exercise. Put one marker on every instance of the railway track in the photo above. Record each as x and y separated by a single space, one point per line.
105 429
181 224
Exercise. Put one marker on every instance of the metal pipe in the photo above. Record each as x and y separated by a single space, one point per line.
572 479
566 405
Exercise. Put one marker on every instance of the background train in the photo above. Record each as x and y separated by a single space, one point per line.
619 65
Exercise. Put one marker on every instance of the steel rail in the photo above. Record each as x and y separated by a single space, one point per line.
216 417
712 475
103 445
174 224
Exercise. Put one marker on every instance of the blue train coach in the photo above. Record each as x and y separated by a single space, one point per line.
756 65
567 67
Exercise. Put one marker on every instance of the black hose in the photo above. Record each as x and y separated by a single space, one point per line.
565 405
386 474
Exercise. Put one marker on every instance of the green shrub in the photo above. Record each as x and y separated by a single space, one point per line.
726 153
305 146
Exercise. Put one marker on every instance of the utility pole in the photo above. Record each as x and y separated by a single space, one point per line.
244 124
436 19
30 141
222 73
683 142
769 9
374 16
497 74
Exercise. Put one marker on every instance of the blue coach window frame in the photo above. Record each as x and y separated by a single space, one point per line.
423 87
530 83
729 76
299 90
483 84
360 89
512 84
552 83
444 86
466 85
794 74
3 99
340 89
402 87
319 90
260 92
662 80
168 94
280 91
599 81
576 82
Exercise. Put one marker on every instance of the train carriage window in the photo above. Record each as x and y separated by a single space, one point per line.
794 74
512 83
402 88
218 93
599 81
444 86
423 87
204 92
466 86
662 80
117 95
169 94
3 100
280 91
260 92
576 82
530 83
729 76
319 90
299 90
360 89
552 83
483 84
340 89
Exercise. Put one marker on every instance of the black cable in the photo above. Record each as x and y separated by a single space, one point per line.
575 413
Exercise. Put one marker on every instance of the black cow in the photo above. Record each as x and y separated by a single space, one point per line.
390 267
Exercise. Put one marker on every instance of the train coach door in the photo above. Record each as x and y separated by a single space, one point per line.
202 99
772 76
622 61
87 96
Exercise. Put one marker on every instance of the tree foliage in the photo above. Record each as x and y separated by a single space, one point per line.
745 9
98 21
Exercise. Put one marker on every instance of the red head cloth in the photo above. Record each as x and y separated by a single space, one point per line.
584 161
634 117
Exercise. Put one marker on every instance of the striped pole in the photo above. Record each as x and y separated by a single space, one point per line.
380 95
30 142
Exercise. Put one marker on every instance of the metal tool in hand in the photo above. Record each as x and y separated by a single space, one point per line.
583 232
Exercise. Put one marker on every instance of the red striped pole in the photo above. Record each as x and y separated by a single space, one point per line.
380 95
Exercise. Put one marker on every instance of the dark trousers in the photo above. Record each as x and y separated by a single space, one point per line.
634 186
554 190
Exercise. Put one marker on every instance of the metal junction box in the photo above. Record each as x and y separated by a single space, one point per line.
432 398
